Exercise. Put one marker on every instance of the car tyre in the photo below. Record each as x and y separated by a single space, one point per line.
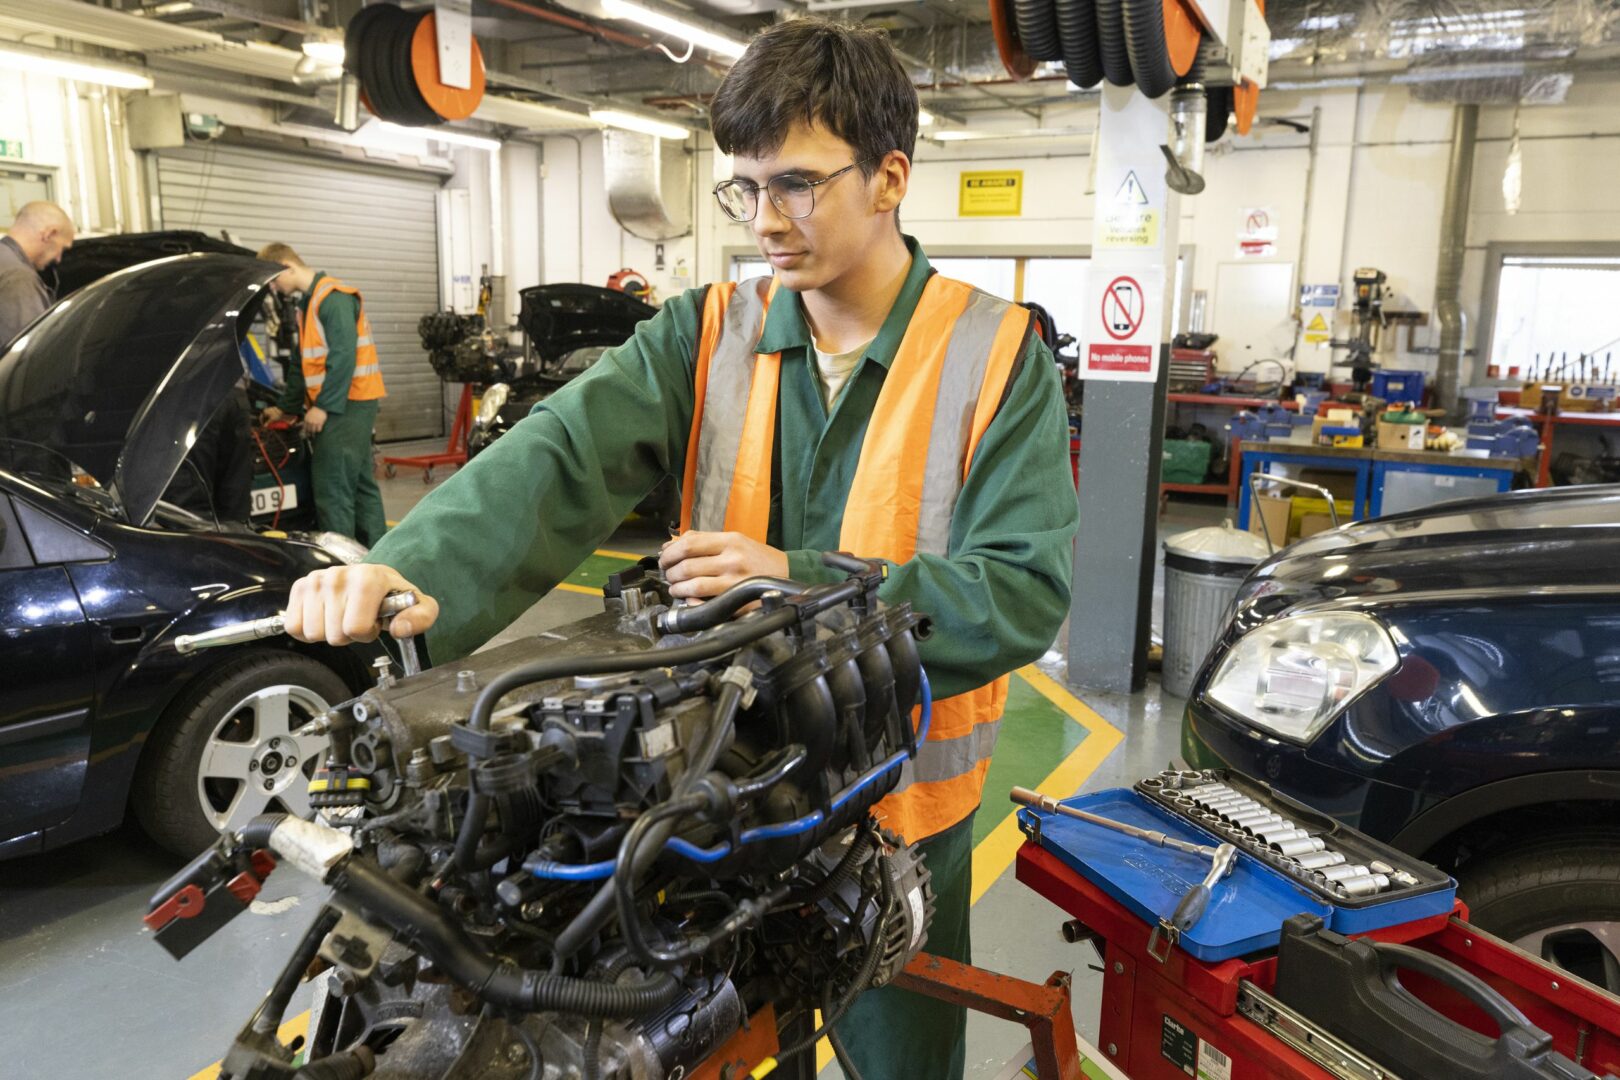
1556 897
224 750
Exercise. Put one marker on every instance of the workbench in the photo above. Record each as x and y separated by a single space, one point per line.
1375 469
1222 401
1550 424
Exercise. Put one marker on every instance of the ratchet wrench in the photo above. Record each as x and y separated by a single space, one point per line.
271 626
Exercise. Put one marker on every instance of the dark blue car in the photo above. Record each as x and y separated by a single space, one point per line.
1448 681
102 401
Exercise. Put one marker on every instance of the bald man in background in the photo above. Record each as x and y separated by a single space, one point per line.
31 246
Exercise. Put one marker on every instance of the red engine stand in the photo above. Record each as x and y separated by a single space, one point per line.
455 448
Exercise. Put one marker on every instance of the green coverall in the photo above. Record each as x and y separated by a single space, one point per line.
509 526
347 500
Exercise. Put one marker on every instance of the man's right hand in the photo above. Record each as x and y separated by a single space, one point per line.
339 605
270 415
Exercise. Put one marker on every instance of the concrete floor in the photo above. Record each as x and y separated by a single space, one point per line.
87 995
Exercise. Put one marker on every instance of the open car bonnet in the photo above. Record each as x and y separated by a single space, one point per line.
565 317
121 376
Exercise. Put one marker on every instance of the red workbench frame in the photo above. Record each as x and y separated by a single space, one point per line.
1138 991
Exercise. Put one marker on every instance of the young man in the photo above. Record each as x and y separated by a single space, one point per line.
856 402
337 386
33 244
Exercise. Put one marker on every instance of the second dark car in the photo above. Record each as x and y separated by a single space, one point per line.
1448 681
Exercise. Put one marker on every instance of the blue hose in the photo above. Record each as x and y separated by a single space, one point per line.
599 871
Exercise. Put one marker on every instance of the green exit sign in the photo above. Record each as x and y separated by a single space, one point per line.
11 148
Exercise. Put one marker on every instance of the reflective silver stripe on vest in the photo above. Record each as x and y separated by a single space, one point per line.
966 358
946 759
367 369
314 352
312 381
361 342
725 404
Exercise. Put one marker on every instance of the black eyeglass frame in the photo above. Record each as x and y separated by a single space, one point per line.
744 185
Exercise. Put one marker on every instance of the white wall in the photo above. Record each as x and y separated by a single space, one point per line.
1376 185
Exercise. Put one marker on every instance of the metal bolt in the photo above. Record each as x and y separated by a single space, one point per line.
275 744
532 910
1113 1051
269 785
1119 968
466 681
516 1054
253 765
1555 984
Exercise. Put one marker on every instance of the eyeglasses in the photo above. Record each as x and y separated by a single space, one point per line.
793 196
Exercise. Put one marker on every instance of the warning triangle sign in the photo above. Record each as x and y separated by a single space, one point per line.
1130 193
1318 323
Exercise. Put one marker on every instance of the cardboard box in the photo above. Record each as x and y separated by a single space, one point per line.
1311 524
1270 515
1400 436
1340 483
1308 506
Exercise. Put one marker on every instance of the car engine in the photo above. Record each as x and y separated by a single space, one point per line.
599 853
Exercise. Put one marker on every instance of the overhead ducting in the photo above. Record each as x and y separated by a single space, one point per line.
649 184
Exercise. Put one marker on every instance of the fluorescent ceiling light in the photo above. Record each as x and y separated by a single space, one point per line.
655 20
966 135
393 132
924 117
64 67
636 122
324 50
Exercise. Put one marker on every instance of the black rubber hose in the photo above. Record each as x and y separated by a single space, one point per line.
1219 112
472 831
424 927
591 1052
840 873
1077 29
599 910
1036 21
256 833
292 973
1146 47
349 1065
840 1051
717 609
1116 61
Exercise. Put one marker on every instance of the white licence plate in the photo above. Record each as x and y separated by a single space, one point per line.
269 500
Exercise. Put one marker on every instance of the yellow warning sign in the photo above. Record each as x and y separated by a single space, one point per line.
1316 331
1128 221
992 194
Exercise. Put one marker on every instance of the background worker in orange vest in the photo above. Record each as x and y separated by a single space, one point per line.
337 386
856 402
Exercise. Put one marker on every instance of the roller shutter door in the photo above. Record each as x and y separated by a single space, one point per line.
374 227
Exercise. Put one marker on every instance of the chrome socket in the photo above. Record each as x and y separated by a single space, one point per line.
1318 860
1365 885
1257 818
1283 830
1342 871
1296 847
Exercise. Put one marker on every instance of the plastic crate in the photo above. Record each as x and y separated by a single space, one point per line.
1393 385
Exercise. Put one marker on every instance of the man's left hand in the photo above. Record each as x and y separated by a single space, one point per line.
314 420
704 564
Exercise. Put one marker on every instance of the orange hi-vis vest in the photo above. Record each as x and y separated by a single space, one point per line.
943 388
367 383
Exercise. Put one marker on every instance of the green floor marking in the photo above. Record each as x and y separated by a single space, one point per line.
1035 738
595 570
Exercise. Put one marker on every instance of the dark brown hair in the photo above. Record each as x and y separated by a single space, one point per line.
845 78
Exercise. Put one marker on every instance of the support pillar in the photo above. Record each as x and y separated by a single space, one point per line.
1124 358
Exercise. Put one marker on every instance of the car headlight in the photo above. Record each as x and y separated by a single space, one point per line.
1292 676
489 407
345 549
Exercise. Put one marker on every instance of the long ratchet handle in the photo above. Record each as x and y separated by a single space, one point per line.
270 626
1036 801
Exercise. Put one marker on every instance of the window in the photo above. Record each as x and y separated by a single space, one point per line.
1550 313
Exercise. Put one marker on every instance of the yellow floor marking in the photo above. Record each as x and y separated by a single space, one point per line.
583 589
632 556
996 852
